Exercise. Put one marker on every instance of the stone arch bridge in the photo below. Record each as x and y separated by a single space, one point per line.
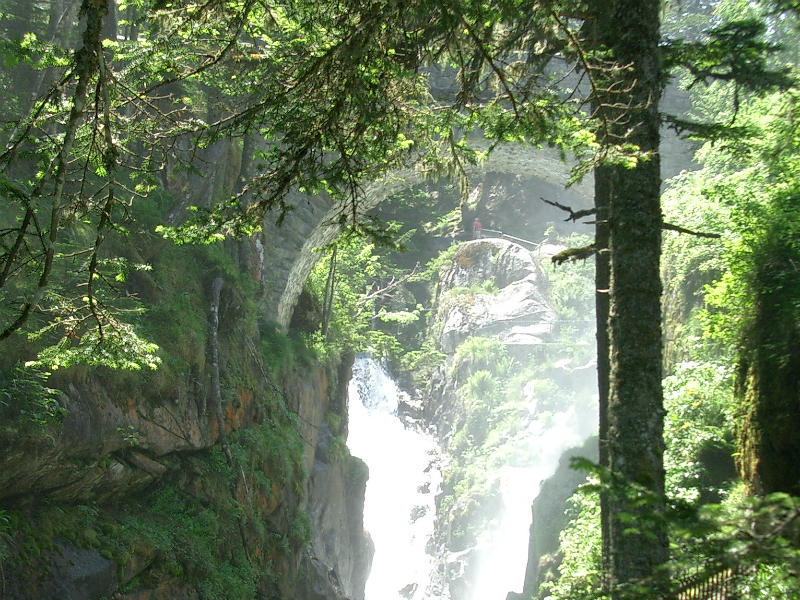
288 253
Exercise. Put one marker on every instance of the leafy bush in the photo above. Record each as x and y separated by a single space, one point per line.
283 352
572 283
698 398
487 286
420 363
300 532
5 536
350 273
27 405
479 396
487 353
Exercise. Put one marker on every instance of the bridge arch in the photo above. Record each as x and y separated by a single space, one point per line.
514 159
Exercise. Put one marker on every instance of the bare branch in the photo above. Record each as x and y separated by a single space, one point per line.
679 229
574 215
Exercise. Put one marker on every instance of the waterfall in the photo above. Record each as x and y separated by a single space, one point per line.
505 547
399 508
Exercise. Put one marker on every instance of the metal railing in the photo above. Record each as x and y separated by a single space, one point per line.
513 238
713 581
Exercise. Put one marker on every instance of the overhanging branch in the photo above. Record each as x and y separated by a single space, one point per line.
573 254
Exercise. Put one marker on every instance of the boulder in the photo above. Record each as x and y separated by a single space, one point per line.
493 288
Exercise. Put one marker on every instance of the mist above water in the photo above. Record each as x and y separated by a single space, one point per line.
504 547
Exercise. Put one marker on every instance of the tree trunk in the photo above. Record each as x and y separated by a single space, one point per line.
216 388
632 422
111 22
602 268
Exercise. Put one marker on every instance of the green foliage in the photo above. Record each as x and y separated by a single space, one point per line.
767 222
486 286
751 541
480 441
572 292
756 537
698 431
421 363
129 435
27 406
300 532
401 317
6 533
735 51
579 572
341 91
572 283
337 448
691 263
274 448
334 422
203 525
174 528
745 190
282 352
478 352
480 385
118 347
480 395
499 398
442 260
361 311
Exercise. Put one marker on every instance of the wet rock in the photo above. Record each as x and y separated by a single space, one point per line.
337 485
68 573
417 513
148 465
318 581
409 590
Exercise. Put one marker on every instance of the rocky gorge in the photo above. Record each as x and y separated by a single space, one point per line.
225 473
511 396
298 301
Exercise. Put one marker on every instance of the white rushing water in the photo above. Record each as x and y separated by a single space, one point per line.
399 508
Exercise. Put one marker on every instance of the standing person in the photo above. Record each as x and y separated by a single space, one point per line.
477 229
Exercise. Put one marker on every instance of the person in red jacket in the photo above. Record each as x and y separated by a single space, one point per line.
477 229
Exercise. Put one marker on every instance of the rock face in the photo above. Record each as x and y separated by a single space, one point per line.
518 313
110 445
336 492
116 455
548 516
768 395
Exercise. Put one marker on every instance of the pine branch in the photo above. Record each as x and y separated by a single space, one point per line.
86 60
573 254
